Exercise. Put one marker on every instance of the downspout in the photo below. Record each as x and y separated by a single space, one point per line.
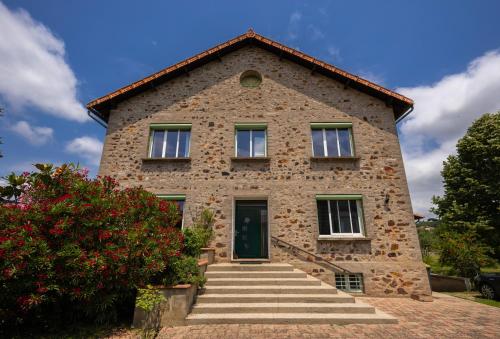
95 116
405 114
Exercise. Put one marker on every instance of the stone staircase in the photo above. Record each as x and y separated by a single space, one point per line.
276 293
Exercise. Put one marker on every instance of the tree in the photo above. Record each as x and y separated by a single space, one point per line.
470 205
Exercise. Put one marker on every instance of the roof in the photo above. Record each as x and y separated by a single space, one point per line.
102 106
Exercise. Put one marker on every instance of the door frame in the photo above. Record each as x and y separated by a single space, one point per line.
253 197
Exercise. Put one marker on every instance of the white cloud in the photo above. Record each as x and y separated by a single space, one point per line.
315 32
443 112
333 53
33 68
293 25
87 147
36 135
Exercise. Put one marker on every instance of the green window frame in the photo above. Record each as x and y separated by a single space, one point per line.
169 140
332 139
340 215
251 128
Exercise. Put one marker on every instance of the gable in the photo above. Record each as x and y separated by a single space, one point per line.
102 106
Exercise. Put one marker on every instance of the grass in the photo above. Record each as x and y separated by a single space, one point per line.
474 296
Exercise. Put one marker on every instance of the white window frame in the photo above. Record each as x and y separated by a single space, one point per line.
359 208
251 142
164 146
325 145
343 282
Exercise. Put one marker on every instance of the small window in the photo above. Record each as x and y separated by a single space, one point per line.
170 141
332 140
349 282
250 79
179 201
340 216
251 141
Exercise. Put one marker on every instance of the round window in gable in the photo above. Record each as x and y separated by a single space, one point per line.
250 79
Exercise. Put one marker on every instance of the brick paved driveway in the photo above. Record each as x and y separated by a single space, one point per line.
445 317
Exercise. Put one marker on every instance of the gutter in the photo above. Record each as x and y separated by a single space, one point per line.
405 114
96 117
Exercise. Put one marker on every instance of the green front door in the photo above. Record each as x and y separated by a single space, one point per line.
250 230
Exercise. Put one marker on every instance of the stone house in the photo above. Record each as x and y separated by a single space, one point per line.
299 160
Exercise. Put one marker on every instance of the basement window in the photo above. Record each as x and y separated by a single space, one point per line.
169 141
349 282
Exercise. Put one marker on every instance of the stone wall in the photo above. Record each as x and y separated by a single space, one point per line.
288 100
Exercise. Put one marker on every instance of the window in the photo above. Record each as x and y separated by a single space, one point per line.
170 140
332 140
349 282
250 79
251 141
179 200
340 216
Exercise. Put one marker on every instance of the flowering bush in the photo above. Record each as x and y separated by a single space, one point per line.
66 239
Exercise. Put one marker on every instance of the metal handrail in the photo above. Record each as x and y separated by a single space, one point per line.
317 257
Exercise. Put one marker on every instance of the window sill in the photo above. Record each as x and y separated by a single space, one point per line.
334 158
256 159
166 159
336 238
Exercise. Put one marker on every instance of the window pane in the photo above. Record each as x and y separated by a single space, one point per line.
340 281
184 144
331 142
157 148
243 138
171 143
323 218
317 136
335 216
180 208
344 142
353 204
259 143
345 220
354 282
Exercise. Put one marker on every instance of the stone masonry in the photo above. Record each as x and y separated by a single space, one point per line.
289 98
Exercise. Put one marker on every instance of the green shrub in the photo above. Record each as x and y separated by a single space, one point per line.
183 270
148 298
199 234
78 246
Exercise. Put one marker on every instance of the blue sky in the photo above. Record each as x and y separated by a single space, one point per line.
55 56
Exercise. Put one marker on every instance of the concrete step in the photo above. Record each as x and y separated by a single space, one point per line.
224 267
290 318
282 307
256 274
274 298
307 281
258 289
